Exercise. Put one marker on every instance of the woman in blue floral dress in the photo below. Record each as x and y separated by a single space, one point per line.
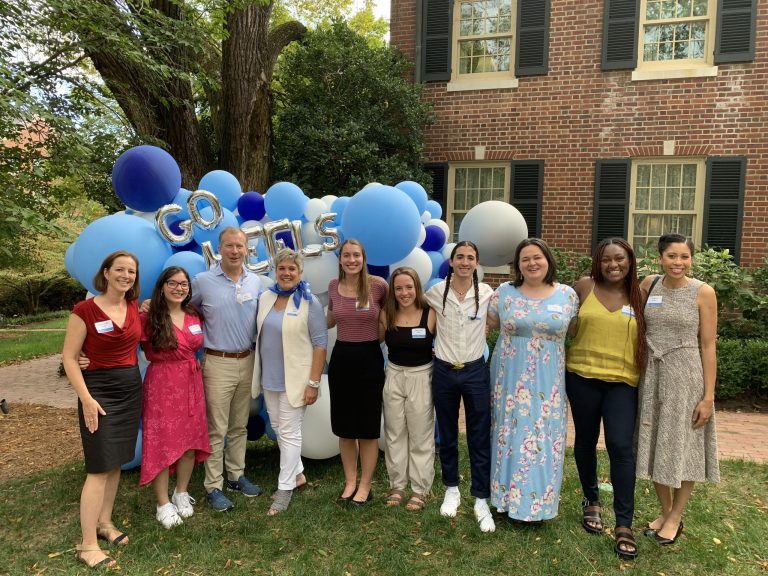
528 386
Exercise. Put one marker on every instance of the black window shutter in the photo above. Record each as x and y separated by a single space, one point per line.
439 174
724 203
532 47
611 199
735 36
527 186
436 37
620 22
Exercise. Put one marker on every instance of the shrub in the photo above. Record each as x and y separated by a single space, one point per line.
742 368
571 265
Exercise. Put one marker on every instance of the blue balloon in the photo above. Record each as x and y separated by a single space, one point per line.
69 259
437 261
202 235
224 186
434 208
416 193
251 206
268 430
385 221
431 283
181 199
338 207
136 462
443 272
255 427
286 237
146 178
380 271
192 262
121 232
285 200
435 238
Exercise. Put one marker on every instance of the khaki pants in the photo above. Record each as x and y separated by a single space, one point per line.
228 401
409 427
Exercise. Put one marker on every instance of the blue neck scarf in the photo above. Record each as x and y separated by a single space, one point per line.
301 290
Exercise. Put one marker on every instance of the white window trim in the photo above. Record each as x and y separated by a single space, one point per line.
673 69
481 81
698 208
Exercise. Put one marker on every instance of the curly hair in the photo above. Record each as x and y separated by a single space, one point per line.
159 324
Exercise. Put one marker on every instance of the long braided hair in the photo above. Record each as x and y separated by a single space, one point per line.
632 288
159 324
474 276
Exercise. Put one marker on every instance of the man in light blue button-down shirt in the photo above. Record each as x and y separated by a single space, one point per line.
228 296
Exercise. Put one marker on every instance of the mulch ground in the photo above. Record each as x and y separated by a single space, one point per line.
34 438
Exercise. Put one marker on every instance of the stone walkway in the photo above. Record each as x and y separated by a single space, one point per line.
740 435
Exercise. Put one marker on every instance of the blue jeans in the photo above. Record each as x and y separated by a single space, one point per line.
449 387
616 404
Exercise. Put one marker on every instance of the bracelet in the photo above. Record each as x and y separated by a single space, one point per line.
314 383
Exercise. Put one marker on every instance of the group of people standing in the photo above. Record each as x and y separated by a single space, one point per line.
657 337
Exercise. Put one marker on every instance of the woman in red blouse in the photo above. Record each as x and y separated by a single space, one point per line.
106 329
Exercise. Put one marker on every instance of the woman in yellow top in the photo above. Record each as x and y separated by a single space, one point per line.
602 372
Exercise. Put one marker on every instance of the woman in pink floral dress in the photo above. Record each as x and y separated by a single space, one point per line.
175 427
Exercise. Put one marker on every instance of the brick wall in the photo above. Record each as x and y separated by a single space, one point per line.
577 114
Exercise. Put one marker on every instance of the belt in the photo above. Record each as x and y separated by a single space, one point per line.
220 354
460 365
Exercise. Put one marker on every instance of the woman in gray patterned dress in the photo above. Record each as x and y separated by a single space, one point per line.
676 441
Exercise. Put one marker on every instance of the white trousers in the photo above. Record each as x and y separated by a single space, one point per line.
286 421
409 427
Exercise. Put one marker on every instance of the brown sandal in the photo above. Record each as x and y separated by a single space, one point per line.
416 503
395 497
626 546
104 528
106 563
591 518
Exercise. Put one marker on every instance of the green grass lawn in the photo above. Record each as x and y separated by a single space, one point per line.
726 530
32 341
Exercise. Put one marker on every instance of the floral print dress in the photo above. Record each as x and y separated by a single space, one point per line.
528 401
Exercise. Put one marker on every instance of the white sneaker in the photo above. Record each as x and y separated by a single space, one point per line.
450 503
484 516
183 502
168 516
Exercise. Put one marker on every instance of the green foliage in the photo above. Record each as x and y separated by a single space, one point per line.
571 265
346 115
742 368
20 344
34 318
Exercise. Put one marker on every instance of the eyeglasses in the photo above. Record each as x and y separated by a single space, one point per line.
172 284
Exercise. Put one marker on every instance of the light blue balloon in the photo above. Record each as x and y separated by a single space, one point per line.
338 207
181 199
202 235
385 220
120 232
136 462
416 193
224 186
431 283
69 259
285 200
434 208
192 262
437 260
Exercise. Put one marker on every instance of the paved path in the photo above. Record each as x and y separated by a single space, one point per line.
740 435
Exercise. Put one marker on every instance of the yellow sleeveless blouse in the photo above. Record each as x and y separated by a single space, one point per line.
604 346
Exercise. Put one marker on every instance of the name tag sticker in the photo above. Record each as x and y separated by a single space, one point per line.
654 301
626 310
294 312
554 308
104 326
419 333
195 329
244 297
363 308
478 317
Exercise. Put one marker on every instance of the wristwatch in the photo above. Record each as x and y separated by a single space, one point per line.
314 383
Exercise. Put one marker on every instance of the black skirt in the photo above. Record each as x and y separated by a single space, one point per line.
356 381
118 392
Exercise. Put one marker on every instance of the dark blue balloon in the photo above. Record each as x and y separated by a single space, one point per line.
251 206
380 271
256 427
146 178
286 237
434 240
444 269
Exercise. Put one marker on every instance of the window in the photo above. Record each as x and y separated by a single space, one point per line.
666 196
470 184
485 36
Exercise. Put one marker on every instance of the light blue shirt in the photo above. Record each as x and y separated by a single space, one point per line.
271 343
229 308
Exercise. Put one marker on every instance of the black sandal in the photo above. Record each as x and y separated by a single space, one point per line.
591 518
625 546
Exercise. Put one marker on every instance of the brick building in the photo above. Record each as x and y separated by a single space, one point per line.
599 117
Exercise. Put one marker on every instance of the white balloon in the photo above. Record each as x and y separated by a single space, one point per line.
447 249
425 217
322 297
328 199
371 184
318 441
422 236
480 273
496 228
440 224
309 234
320 270
314 208
419 261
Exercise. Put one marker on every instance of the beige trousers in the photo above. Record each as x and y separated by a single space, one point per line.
409 427
227 384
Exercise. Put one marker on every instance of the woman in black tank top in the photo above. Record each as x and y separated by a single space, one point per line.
409 421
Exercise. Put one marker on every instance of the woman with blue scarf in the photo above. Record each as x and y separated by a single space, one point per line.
292 333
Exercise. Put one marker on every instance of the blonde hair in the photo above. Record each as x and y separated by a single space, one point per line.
391 307
363 280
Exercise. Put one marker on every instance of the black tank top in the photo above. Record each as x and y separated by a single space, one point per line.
410 346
